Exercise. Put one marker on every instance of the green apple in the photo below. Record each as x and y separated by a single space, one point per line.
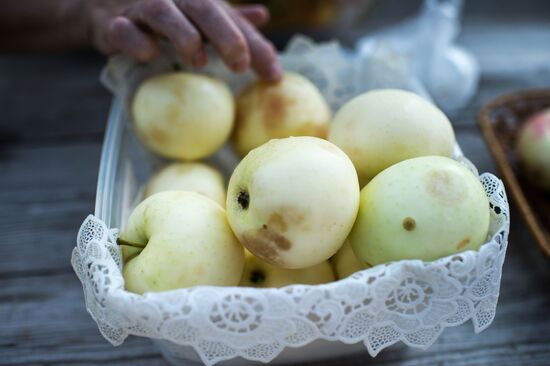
533 147
183 116
291 107
345 262
178 239
194 177
293 201
422 208
382 127
258 273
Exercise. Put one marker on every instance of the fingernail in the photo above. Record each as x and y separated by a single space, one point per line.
274 72
200 59
241 64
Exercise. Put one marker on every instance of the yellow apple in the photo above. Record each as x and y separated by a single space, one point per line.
258 273
177 239
183 116
293 201
345 262
533 147
382 127
422 208
194 177
292 107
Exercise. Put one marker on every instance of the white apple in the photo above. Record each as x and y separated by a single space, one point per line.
194 177
533 147
258 273
293 201
422 208
177 239
291 107
380 128
183 116
345 262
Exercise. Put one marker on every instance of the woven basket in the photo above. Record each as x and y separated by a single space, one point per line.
500 120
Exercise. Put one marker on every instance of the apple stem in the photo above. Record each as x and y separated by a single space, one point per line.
120 241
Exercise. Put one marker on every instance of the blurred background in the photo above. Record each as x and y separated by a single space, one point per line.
52 121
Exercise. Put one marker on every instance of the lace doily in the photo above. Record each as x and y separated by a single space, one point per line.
409 301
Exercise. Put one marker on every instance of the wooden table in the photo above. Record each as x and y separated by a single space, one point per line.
51 128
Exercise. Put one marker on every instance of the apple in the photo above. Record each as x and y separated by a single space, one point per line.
258 273
382 127
291 107
178 239
422 208
533 147
183 116
345 262
293 201
194 177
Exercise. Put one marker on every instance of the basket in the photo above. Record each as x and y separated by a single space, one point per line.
500 120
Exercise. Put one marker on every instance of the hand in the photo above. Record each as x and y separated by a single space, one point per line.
133 27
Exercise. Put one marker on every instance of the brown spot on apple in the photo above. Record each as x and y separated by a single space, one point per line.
156 135
277 221
463 243
409 224
266 244
274 106
313 129
445 187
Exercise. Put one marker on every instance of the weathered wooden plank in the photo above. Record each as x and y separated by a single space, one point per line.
45 194
52 96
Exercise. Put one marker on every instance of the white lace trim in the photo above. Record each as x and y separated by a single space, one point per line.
408 301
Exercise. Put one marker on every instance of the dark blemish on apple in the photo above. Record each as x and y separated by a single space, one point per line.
275 238
243 199
461 244
257 277
260 247
266 244
409 224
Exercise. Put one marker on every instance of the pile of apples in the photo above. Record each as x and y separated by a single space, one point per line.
311 201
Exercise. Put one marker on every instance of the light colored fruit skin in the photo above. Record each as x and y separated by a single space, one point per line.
304 197
380 128
292 107
533 147
280 277
423 208
187 240
183 116
194 177
345 262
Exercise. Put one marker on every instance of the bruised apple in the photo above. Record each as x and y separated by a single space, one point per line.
183 116
422 208
291 107
258 273
293 201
